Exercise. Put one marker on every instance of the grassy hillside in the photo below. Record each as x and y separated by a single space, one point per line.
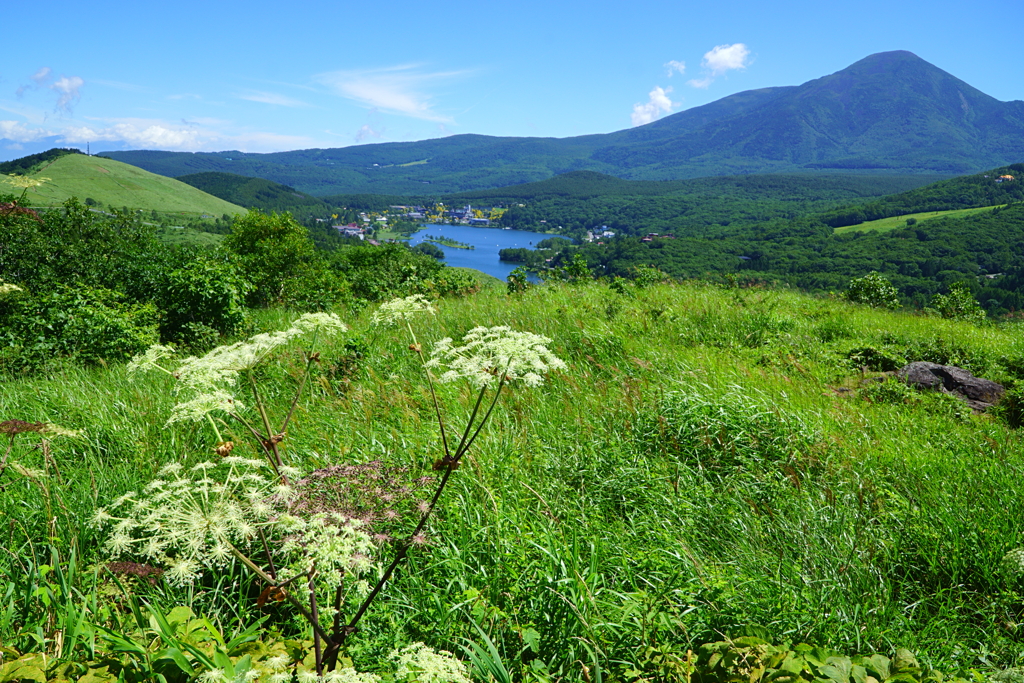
988 188
713 463
894 222
114 184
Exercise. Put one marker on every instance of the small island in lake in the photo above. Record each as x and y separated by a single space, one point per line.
448 242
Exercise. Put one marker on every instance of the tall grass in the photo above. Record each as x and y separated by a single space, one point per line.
715 462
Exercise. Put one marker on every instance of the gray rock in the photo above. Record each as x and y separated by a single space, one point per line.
980 394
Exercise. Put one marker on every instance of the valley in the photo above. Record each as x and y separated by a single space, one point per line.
654 422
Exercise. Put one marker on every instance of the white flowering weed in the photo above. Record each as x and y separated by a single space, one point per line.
189 519
333 545
8 288
1013 562
24 182
488 354
423 664
401 310
206 383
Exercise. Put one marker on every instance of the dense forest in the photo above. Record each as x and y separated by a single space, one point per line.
574 203
19 166
85 286
781 229
257 193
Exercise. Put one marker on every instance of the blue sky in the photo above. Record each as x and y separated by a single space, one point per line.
271 76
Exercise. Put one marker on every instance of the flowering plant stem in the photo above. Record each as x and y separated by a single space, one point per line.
448 464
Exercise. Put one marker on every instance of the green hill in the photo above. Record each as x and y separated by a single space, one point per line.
110 183
901 221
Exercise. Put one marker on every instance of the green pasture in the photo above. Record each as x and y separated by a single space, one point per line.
894 222
115 185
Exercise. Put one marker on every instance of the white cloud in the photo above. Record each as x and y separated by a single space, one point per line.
726 57
42 75
38 78
195 135
675 67
138 134
657 103
396 90
273 98
19 132
68 89
720 59
366 132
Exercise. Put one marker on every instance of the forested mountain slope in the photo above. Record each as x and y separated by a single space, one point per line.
888 113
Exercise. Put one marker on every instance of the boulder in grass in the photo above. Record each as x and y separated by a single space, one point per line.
980 394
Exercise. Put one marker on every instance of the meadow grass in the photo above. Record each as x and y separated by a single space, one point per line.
115 184
714 462
894 222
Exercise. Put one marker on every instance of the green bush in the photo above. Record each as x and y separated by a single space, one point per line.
272 249
87 324
959 304
203 295
517 281
878 359
874 290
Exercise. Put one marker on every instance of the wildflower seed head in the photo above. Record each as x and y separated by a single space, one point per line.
334 545
401 310
188 520
489 354
14 427
350 675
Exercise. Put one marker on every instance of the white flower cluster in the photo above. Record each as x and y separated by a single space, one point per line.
206 383
150 359
1013 562
401 310
414 663
189 519
219 676
332 544
423 664
488 354
347 675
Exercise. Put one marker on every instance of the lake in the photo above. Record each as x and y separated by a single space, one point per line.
488 242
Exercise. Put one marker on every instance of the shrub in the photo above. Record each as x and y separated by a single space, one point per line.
883 359
517 281
873 290
272 249
89 324
202 295
959 304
